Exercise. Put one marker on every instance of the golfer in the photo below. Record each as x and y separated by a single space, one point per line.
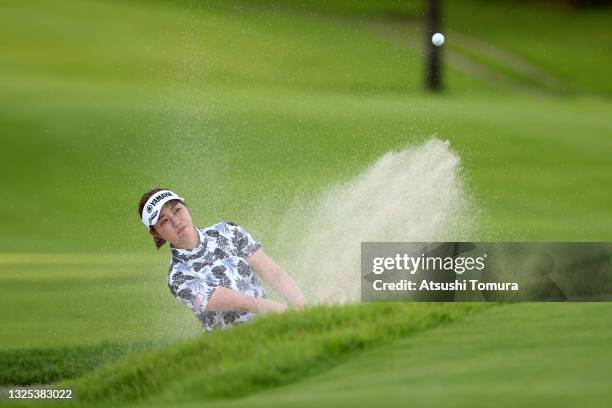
212 268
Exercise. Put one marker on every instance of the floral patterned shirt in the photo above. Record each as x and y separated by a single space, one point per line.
218 260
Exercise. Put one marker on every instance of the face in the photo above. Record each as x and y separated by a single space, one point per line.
174 224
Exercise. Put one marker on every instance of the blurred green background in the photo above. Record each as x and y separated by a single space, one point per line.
240 106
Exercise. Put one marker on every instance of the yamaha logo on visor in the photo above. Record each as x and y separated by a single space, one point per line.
153 206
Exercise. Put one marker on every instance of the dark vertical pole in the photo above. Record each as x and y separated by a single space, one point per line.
433 81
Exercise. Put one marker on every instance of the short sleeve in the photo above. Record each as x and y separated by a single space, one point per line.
245 244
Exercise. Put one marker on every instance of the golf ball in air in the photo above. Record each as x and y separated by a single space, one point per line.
437 39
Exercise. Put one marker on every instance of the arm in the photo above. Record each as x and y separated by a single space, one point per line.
277 278
224 299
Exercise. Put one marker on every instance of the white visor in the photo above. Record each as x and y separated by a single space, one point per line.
152 208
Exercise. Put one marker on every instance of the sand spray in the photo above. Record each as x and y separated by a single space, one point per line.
415 194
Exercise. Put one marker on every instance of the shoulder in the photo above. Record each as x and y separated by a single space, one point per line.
218 226
225 228
229 233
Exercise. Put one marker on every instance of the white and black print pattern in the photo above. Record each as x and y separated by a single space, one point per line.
218 260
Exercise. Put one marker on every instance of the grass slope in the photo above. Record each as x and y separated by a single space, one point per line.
546 355
267 353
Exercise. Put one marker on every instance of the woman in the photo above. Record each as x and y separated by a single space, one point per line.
211 269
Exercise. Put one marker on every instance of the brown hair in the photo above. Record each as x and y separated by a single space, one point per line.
143 200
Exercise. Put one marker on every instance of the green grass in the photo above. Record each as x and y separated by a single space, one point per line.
549 355
57 301
578 55
241 107
267 353
47 365
569 43
224 97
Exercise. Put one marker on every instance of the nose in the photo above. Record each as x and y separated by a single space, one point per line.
174 221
